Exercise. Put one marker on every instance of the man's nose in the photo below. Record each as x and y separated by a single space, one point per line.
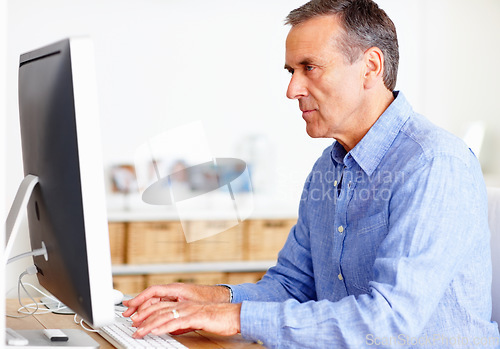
297 87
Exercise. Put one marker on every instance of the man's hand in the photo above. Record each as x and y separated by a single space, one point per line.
176 293
196 307
181 317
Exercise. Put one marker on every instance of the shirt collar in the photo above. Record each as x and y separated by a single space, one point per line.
371 149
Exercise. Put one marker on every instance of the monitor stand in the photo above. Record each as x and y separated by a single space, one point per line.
14 220
36 338
56 307
14 217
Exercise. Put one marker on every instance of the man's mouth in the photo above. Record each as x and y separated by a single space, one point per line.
307 113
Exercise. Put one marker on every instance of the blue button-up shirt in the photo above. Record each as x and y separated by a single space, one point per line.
391 248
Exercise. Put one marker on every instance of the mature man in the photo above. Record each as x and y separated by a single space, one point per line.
391 246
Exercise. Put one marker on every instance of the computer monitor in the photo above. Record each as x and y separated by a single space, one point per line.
60 139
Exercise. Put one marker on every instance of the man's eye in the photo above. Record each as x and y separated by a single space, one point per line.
309 68
291 71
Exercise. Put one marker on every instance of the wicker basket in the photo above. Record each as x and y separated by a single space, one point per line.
265 238
225 244
155 242
244 277
129 284
117 238
207 278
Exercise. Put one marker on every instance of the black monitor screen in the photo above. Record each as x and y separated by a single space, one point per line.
63 209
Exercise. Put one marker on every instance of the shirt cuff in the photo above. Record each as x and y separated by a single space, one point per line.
238 293
259 322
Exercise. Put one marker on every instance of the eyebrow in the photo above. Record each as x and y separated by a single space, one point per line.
304 62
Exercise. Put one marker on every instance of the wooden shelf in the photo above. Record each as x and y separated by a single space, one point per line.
229 267
264 207
155 252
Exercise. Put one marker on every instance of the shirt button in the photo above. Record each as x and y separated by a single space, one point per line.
340 229
335 183
340 277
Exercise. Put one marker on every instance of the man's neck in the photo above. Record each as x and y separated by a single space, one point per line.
374 110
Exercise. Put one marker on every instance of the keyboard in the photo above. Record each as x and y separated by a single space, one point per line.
119 334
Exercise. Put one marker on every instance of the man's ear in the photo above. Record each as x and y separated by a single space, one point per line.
374 67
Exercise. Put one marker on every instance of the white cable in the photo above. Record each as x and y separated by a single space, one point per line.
82 324
32 308
36 307
59 307
45 294
34 253
29 271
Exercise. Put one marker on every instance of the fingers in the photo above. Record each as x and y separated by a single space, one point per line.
134 309
178 292
166 310
163 317
150 302
149 296
160 318
176 326
180 308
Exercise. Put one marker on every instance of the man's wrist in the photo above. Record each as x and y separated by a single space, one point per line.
229 292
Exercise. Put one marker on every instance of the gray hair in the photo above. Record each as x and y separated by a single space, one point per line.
365 24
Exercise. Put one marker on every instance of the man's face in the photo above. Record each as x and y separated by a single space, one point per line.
328 88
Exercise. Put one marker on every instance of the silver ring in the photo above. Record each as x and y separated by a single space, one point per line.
176 313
